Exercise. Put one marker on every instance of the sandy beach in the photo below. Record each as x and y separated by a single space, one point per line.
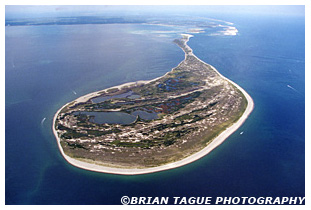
135 171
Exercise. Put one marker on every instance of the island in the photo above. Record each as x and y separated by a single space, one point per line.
150 126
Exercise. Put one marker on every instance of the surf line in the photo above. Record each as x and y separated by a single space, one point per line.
42 121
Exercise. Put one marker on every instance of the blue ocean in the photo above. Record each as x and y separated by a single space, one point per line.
48 66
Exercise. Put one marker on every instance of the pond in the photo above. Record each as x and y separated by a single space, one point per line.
129 94
117 117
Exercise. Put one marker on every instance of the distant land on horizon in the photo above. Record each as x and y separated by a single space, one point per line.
70 20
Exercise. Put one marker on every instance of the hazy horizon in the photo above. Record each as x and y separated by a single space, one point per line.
37 11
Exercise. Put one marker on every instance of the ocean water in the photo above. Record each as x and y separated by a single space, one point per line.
48 66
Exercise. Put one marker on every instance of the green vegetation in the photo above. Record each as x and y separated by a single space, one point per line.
112 90
118 143
72 134
177 115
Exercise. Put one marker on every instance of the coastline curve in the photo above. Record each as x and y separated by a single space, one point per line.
136 171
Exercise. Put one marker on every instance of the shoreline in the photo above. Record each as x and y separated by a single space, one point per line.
136 171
